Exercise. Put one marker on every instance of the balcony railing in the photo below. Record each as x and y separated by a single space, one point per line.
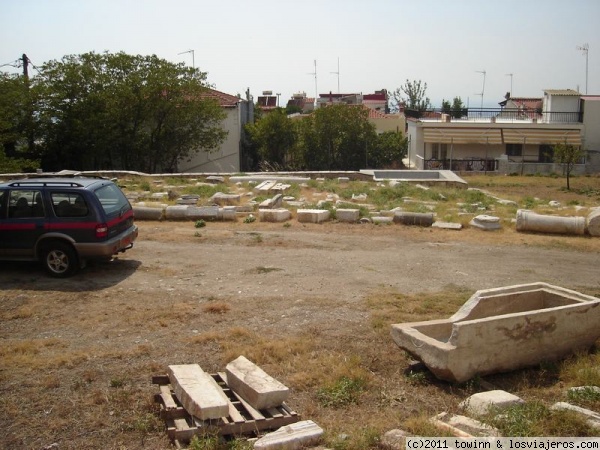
495 115
462 165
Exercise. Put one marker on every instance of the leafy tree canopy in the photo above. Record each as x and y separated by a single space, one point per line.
118 111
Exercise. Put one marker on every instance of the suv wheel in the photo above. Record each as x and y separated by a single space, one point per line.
59 259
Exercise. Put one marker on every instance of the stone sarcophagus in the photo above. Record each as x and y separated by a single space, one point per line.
503 329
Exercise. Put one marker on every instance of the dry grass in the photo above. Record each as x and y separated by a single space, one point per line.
76 363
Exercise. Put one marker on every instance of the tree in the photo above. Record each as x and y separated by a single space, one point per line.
568 156
274 136
335 137
387 150
412 95
16 125
109 111
456 109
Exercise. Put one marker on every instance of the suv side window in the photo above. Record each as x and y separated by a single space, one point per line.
2 204
112 199
25 204
69 204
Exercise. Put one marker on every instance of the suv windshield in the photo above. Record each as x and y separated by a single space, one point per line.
112 199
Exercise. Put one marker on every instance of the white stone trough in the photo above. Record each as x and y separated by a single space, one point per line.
503 329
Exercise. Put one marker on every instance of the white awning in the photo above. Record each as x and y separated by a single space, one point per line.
462 135
541 136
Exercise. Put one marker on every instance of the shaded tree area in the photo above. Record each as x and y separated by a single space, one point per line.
336 137
456 109
118 111
15 125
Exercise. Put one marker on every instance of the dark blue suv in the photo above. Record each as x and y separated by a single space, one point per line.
63 222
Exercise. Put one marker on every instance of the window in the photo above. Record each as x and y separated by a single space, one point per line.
112 199
439 151
514 149
546 154
69 204
25 204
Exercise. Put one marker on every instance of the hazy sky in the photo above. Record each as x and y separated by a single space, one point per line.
272 44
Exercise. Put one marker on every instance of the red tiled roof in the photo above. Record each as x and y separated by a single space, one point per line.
225 100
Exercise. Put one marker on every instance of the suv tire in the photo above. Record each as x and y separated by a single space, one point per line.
59 259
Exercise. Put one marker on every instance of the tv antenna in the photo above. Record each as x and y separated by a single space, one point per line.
483 88
192 52
584 49
338 74
315 75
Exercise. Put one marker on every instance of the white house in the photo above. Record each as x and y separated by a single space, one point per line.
509 140
226 158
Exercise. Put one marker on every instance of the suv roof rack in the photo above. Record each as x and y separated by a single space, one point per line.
45 183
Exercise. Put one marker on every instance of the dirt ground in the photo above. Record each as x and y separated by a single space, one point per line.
78 355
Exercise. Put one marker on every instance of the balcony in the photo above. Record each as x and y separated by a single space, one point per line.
495 115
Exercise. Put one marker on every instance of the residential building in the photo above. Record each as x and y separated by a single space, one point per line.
267 102
301 101
517 138
377 101
226 158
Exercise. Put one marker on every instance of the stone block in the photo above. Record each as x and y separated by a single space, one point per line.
447 225
147 213
178 212
198 392
463 426
592 418
222 199
592 222
227 213
312 215
485 402
394 440
412 218
486 222
274 215
347 215
254 385
215 179
291 437
382 219
202 212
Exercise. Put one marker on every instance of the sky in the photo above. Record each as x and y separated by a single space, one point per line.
379 44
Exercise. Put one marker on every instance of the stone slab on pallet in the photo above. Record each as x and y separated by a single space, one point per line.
254 385
198 392
241 418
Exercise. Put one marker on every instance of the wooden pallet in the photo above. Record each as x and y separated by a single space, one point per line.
243 419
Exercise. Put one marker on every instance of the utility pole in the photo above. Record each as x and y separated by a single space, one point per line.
29 126
25 71
584 49
338 74
483 88
315 75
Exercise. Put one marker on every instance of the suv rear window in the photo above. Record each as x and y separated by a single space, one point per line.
112 199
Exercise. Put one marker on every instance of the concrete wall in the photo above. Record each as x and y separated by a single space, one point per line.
227 157
390 123
591 133
559 104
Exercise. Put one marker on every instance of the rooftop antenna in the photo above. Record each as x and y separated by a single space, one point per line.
192 52
338 74
584 50
483 88
511 82
315 75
